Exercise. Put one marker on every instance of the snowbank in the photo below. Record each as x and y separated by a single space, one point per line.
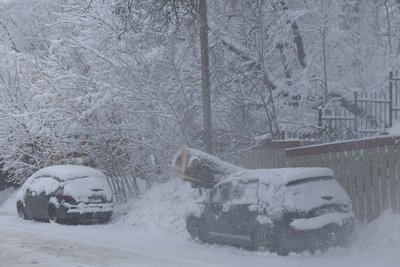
163 208
5 194
383 231
394 130
7 201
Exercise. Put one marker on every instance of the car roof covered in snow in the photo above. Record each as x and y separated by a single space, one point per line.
68 172
279 176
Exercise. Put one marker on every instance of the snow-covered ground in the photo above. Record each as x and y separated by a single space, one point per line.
151 232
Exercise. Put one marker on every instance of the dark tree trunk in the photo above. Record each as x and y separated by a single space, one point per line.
205 75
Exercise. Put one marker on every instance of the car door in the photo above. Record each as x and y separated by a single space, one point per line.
239 212
213 211
38 195
30 203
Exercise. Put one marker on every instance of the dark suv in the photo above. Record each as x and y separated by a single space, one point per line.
281 210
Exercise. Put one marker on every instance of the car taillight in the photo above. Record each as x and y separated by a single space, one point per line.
294 231
66 198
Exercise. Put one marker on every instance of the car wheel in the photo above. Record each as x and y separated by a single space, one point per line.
104 219
278 245
53 215
21 210
262 238
197 228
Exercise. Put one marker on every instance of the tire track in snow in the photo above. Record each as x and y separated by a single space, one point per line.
20 249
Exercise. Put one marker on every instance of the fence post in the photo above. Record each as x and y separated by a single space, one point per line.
355 112
320 116
391 99
282 135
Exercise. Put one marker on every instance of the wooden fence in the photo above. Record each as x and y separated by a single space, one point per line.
368 169
261 158
267 155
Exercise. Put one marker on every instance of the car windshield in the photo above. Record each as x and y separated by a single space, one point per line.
243 192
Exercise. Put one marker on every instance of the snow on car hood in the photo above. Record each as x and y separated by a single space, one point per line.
83 188
67 174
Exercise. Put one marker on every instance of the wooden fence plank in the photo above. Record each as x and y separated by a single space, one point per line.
357 174
342 171
392 178
367 180
310 161
375 166
351 160
336 163
329 162
362 176
384 187
398 174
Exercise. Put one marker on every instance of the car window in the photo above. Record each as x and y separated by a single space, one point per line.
221 193
47 176
44 184
309 179
243 192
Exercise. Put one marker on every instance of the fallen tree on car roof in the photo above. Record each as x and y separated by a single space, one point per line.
201 169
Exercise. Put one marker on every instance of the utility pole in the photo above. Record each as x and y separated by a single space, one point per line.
324 58
205 77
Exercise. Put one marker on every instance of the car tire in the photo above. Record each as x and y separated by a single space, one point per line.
104 219
197 228
21 210
53 214
262 238
278 245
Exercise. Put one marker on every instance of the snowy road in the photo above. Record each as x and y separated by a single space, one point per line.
39 244
26 249
27 243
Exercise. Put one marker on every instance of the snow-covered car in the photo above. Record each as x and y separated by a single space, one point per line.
281 210
67 194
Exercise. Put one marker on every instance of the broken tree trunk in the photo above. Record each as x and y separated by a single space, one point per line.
201 169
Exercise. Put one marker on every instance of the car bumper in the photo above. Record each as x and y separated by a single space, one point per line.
322 238
83 212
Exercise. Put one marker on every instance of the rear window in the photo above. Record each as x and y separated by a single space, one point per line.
307 194
308 180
